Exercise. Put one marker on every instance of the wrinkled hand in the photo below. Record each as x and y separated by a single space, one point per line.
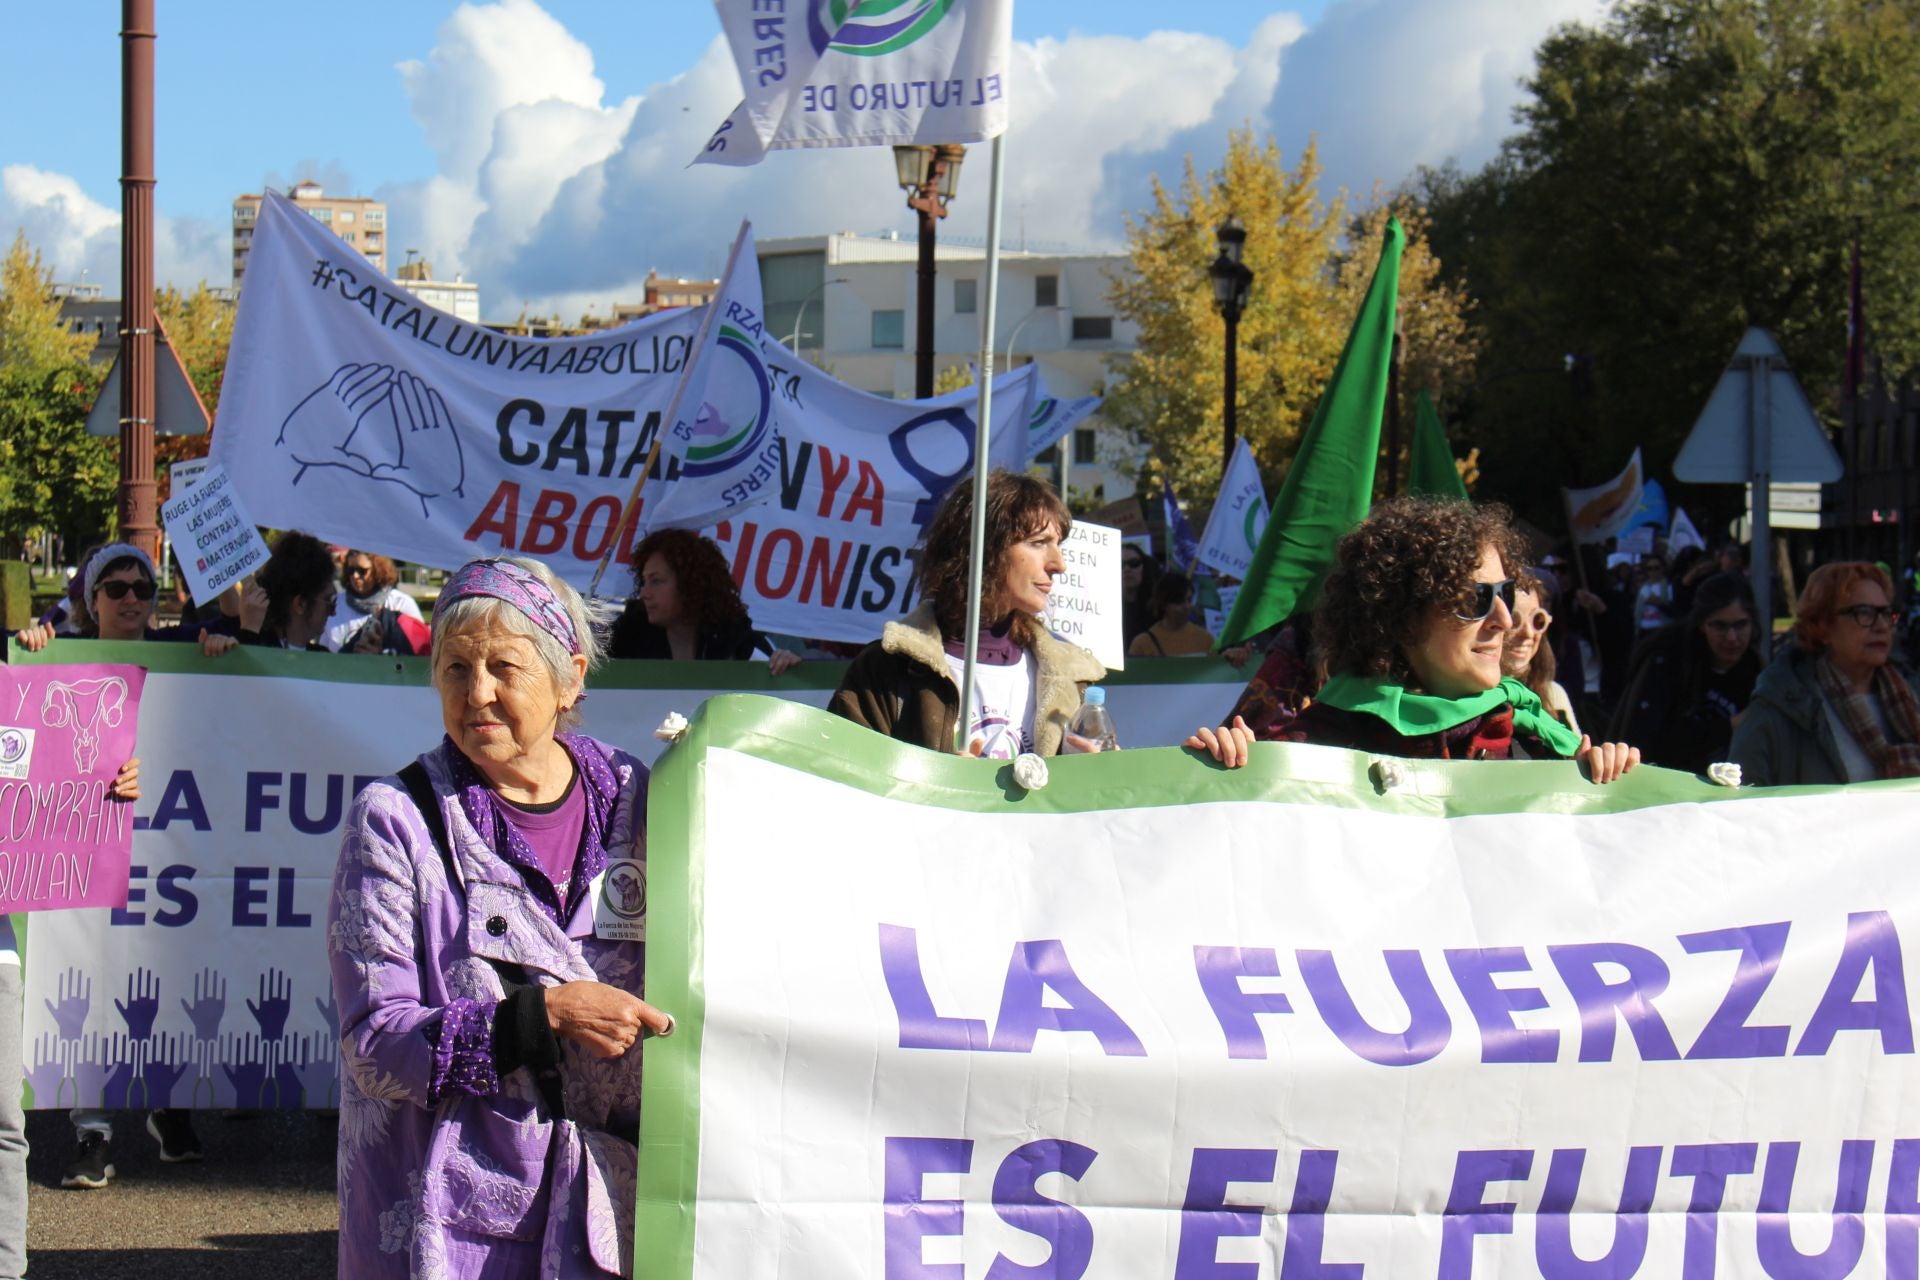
34 638
253 606
782 661
603 1020
1229 744
1606 761
213 646
126 783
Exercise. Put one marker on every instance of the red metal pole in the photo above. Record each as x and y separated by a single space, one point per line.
138 520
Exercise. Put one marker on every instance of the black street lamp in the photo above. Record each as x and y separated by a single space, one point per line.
930 175
1232 280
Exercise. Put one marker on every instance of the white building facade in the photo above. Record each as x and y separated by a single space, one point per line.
849 303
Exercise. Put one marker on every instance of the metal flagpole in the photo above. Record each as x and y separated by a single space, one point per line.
982 433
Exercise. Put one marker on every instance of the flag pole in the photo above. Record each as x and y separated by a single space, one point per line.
982 434
672 416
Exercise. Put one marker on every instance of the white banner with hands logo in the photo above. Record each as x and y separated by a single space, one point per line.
355 413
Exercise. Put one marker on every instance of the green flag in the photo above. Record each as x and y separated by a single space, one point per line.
1431 472
1330 485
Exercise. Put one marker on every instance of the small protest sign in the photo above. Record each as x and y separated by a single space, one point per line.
1085 603
187 473
213 535
64 733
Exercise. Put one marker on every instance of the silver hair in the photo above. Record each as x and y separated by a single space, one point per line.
591 619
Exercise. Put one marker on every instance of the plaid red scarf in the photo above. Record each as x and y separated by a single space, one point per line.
1899 758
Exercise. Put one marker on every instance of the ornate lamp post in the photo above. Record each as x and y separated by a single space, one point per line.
930 175
1232 281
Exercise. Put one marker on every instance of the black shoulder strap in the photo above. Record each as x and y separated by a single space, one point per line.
420 788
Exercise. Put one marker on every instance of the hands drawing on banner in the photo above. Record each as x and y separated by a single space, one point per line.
139 1068
380 423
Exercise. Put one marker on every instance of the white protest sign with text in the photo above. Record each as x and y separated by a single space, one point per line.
1084 606
214 537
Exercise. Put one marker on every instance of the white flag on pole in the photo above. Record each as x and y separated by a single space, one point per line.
836 73
1596 514
724 432
1683 535
1239 516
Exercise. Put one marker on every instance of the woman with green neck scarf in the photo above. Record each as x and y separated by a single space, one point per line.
1412 622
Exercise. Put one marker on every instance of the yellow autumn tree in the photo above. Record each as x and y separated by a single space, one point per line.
1169 392
1311 265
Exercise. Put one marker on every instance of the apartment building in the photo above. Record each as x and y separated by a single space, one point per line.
357 220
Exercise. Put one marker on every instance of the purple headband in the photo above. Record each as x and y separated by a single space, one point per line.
505 580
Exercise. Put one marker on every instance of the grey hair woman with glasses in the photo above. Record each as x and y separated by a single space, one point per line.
1832 708
1690 681
1412 623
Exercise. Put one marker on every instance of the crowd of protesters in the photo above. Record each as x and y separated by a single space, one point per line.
489 1088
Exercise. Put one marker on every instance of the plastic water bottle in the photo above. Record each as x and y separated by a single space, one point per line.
1093 725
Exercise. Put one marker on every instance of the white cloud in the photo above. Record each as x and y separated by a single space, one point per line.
76 235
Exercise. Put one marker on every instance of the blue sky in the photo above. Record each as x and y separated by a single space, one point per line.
540 144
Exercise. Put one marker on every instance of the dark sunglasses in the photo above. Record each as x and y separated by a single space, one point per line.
1484 594
118 588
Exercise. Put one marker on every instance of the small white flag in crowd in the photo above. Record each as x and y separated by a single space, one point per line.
837 73
725 435
1683 534
1239 516
1599 513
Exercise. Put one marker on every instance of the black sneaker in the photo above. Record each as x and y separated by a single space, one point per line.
173 1130
89 1169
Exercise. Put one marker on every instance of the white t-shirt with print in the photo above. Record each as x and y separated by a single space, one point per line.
1002 714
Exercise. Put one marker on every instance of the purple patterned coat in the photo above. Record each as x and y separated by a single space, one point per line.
460 1186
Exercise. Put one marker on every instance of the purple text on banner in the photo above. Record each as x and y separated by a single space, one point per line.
64 733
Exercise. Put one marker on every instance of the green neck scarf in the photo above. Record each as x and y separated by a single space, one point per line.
1418 714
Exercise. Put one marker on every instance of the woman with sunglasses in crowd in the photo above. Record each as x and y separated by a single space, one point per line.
1412 623
1831 708
118 590
1527 656
1690 681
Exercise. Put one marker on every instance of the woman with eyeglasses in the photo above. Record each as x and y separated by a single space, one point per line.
1831 708
1528 657
1412 623
1690 681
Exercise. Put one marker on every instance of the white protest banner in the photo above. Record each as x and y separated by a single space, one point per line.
1635 542
1216 617
1596 514
355 413
1158 1020
214 538
1239 516
1084 605
837 73
208 988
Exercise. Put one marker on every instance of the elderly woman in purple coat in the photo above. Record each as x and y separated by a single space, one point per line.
490 1017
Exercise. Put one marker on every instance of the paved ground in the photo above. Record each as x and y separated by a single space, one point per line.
260 1204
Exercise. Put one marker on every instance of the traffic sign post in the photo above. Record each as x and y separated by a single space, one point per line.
1758 427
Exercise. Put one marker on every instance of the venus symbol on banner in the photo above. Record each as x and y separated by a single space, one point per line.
86 705
391 427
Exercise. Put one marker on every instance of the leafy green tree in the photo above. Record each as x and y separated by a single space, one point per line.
53 476
1682 171
199 326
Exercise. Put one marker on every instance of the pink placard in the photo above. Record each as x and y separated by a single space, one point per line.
64 733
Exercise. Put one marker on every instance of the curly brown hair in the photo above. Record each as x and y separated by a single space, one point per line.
384 575
700 573
1018 506
1409 558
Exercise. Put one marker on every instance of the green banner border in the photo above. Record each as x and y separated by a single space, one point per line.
796 736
